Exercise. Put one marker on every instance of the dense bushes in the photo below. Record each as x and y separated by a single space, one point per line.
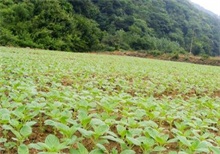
88 25
48 25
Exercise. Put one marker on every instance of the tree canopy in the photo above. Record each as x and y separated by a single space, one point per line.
88 25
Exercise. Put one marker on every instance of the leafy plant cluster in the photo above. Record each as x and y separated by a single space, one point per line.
91 25
57 102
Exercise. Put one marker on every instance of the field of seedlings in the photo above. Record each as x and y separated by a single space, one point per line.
76 103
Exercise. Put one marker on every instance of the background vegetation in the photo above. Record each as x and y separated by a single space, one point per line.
161 26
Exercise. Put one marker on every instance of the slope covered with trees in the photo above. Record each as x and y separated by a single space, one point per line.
87 25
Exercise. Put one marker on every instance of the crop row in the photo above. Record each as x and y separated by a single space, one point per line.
52 102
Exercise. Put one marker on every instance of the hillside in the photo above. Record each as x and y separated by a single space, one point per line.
162 26
81 103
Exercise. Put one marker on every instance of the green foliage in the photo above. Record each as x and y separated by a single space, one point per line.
175 56
23 149
48 25
88 25
61 102
155 53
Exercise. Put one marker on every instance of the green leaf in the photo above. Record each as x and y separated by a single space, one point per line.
135 132
173 152
128 152
96 151
82 149
159 149
101 129
173 140
152 132
36 146
102 147
2 140
45 146
215 150
217 139
19 112
121 130
7 127
17 134
51 123
5 117
10 145
140 113
184 141
71 140
182 152
52 141
149 142
31 123
74 151
23 149
82 115
113 139
134 141
203 147
85 132
162 139
95 121
47 153
111 133
26 131
15 123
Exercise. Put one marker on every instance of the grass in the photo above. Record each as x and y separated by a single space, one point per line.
60 102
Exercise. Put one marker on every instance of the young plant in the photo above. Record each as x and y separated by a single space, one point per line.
23 149
22 133
51 144
67 131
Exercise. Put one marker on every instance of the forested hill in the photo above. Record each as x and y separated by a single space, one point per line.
90 25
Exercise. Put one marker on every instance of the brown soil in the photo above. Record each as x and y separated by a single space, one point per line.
217 93
66 81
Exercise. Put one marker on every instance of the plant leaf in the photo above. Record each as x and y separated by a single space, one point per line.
23 149
184 141
74 151
96 151
102 147
95 121
82 149
215 150
36 146
31 123
52 141
121 130
101 129
118 140
134 141
85 132
26 130
128 152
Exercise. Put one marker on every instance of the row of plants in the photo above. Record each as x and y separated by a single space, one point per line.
53 102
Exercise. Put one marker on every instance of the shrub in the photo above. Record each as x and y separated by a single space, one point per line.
174 56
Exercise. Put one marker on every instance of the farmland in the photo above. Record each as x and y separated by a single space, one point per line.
62 102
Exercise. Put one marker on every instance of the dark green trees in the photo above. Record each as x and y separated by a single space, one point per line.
48 25
86 25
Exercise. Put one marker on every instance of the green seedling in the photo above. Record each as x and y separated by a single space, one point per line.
51 144
22 133
67 131
132 104
23 149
